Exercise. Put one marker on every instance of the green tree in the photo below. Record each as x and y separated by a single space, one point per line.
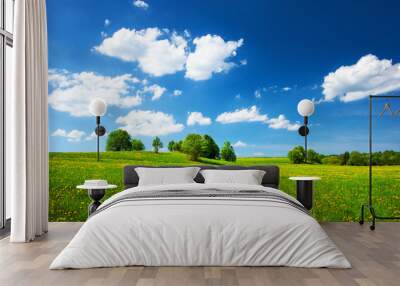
227 152
378 159
345 158
313 157
171 145
119 140
357 159
209 148
178 146
389 157
192 146
157 144
297 155
137 145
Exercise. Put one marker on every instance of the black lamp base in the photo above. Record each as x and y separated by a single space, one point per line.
96 195
305 193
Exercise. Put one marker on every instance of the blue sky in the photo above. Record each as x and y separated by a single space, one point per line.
232 69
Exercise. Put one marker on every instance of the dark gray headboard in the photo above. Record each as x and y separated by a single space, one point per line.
271 177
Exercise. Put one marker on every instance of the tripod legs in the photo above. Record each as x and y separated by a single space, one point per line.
372 211
372 226
361 222
374 216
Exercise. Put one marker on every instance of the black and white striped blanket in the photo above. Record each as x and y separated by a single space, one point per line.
205 193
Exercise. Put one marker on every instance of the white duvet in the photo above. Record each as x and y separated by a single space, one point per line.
200 231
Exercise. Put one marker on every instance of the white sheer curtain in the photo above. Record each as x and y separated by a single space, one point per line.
27 123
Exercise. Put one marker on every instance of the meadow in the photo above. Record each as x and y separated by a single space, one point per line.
337 197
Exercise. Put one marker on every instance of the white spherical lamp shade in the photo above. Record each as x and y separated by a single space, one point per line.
305 107
98 107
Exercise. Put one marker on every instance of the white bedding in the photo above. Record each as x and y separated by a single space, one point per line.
200 231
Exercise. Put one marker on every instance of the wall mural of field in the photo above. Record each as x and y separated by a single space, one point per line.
338 195
179 70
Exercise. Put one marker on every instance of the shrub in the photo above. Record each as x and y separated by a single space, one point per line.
228 153
332 160
137 145
313 157
209 148
357 159
192 146
157 144
175 146
171 145
119 140
297 155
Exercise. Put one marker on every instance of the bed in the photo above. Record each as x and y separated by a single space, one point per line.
201 224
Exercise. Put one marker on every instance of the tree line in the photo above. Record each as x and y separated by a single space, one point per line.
353 158
194 145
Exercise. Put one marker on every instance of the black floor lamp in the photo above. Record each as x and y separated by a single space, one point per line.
369 206
98 108
306 109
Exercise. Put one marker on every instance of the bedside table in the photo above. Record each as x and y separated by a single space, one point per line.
96 193
304 190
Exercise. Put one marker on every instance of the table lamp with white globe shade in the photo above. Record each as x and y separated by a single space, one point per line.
306 109
98 107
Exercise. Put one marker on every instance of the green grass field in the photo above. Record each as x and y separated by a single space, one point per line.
338 195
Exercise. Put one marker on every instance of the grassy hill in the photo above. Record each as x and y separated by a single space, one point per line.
338 195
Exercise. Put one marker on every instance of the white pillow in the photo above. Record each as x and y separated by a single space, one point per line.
166 176
248 177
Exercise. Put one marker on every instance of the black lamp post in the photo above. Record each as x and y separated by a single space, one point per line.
98 108
306 109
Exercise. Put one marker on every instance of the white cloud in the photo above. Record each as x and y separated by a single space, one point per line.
252 114
186 33
72 136
59 132
210 57
156 53
103 34
177 92
140 4
237 96
107 22
242 115
257 93
286 88
281 122
72 92
156 90
160 52
197 118
240 144
90 137
149 123
368 76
